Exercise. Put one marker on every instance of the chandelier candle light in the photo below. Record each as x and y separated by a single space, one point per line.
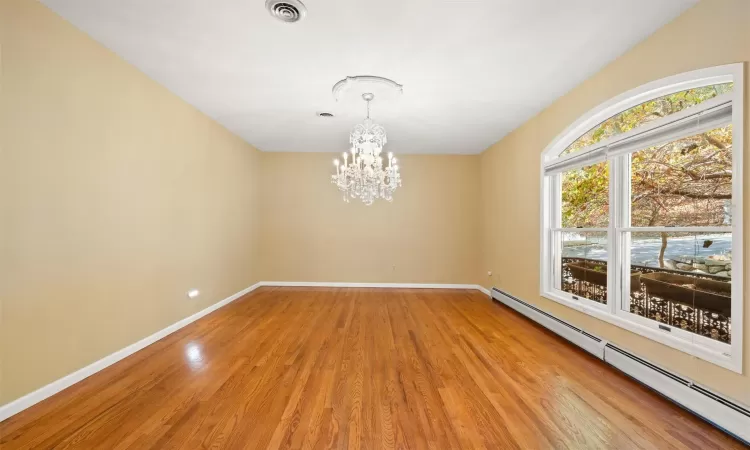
367 175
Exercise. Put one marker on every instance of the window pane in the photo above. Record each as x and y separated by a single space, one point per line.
585 197
683 280
584 265
687 182
647 112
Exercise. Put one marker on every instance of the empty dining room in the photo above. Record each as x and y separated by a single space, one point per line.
329 224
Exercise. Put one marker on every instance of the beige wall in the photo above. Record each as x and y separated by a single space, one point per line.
117 198
712 33
429 234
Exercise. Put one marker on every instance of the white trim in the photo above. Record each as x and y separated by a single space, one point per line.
374 285
721 103
581 230
32 398
484 290
345 284
683 123
697 230
729 357
649 331
738 249
640 94
703 343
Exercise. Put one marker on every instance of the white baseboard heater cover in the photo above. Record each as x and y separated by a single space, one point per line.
586 341
715 409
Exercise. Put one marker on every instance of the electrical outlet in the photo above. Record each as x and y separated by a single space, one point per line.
489 273
192 293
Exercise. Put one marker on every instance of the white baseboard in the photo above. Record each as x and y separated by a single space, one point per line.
32 398
484 290
374 285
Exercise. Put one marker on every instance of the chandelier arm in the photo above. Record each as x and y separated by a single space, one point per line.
367 177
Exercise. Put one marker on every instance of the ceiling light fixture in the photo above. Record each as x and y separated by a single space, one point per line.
367 175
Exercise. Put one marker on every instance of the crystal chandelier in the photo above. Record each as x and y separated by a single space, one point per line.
365 174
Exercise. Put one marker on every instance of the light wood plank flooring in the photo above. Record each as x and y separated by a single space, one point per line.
360 368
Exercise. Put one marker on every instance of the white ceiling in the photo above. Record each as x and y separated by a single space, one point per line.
472 70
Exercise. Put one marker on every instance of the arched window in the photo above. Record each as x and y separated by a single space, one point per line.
642 213
647 112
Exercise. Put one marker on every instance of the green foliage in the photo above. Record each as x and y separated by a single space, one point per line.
684 183
645 113
585 196
687 182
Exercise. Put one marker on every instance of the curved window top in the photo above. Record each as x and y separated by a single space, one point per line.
647 112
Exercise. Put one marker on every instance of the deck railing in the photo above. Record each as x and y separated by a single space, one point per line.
696 320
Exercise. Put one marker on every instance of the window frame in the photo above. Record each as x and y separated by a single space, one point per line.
728 356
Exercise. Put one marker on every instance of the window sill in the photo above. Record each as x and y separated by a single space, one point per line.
713 356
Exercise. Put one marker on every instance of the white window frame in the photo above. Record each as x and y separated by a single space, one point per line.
728 356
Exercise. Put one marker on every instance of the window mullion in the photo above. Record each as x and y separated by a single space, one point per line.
613 240
580 229
620 202
557 204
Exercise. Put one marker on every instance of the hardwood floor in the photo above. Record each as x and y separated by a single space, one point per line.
359 368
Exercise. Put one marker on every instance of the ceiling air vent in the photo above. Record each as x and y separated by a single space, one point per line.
288 11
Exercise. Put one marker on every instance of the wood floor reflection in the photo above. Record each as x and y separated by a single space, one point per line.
359 368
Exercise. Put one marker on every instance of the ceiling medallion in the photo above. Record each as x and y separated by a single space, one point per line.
383 87
365 173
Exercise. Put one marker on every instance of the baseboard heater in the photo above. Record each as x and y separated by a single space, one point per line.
721 412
